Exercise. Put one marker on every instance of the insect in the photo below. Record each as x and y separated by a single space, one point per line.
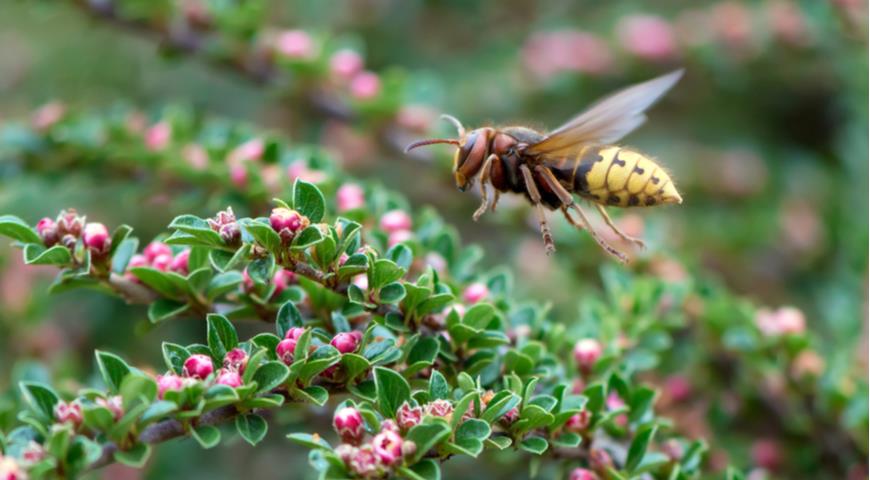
577 158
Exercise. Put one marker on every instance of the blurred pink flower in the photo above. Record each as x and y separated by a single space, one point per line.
295 44
345 63
399 236
299 169
548 53
239 175
157 137
195 155
395 220
475 293
47 115
783 321
251 150
350 196
648 37
788 24
365 86
416 118
732 26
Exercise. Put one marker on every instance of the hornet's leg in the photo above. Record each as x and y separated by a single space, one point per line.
484 179
542 216
616 230
568 201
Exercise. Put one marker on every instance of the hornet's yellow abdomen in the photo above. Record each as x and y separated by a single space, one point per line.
612 175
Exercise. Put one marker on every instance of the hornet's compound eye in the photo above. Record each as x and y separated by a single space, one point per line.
465 149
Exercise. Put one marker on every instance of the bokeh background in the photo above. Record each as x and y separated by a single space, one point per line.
766 136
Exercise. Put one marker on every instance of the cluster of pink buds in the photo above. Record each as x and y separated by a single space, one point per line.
114 404
287 346
10 469
375 458
171 381
234 365
780 322
224 223
66 230
587 351
159 256
397 224
408 416
69 412
439 408
287 223
347 68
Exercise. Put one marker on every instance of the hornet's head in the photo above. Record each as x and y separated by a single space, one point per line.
472 149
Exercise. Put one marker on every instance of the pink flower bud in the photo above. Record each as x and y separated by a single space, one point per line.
251 150
46 116
282 279
11 470
196 156
157 137
236 359
299 170
350 196
287 222
361 281
365 86
345 452
388 447
47 230
390 425
439 408
345 63
179 263
239 176
295 44
113 404
510 417
791 321
648 37
600 460
767 454
408 416
408 448
437 262
401 236
678 388
349 425
285 350
614 402
364 463
475 293
162 262
70 223
230 378
69 412
154 249
225 224
395 220
582 474
33 453
294 333
247 281
578 422
346 342
587 351
198 366
168 382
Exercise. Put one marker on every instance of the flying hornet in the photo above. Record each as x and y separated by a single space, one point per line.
580 157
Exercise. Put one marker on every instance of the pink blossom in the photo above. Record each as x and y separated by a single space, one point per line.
299 170
10 469
285 350
287 223
69 412
437 262
47 115
47 230
578 422
195 155
236 359
155 249
408 416
198 366
282 279
364 462
350 196
511 416
415 118
345 63
767 453
475 293
648 37
549 53
398 237
294 333
70 223
225 224
349 425
783 321
251 150
361 281
295 44
168 382
346 342
587 351
179 263
439 408
114 404
387 446
230 378
365 86
582 474
678 388
615 402
33 453
239 176
158 136
395 220
162 262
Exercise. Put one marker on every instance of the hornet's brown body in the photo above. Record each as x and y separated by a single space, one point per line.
578 158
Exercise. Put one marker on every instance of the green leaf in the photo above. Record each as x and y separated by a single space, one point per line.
310 441
500 404
206 435
567 440
315 394
135 457
384 272
392 293
639 444
260 269
163 309
499 442
354 364
641 403
167 284
251 427
306 238
425 350
197 227
38 255
113 369
308 200
262 233
40 397
355 264
137 387
438 386
401 255
534 445
223 283
288 316
223 261
392 390
122 253
319 360
426 469
426 436
473 428
270 375
222 336
16 229
479 316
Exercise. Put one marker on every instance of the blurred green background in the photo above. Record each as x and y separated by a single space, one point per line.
766 137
